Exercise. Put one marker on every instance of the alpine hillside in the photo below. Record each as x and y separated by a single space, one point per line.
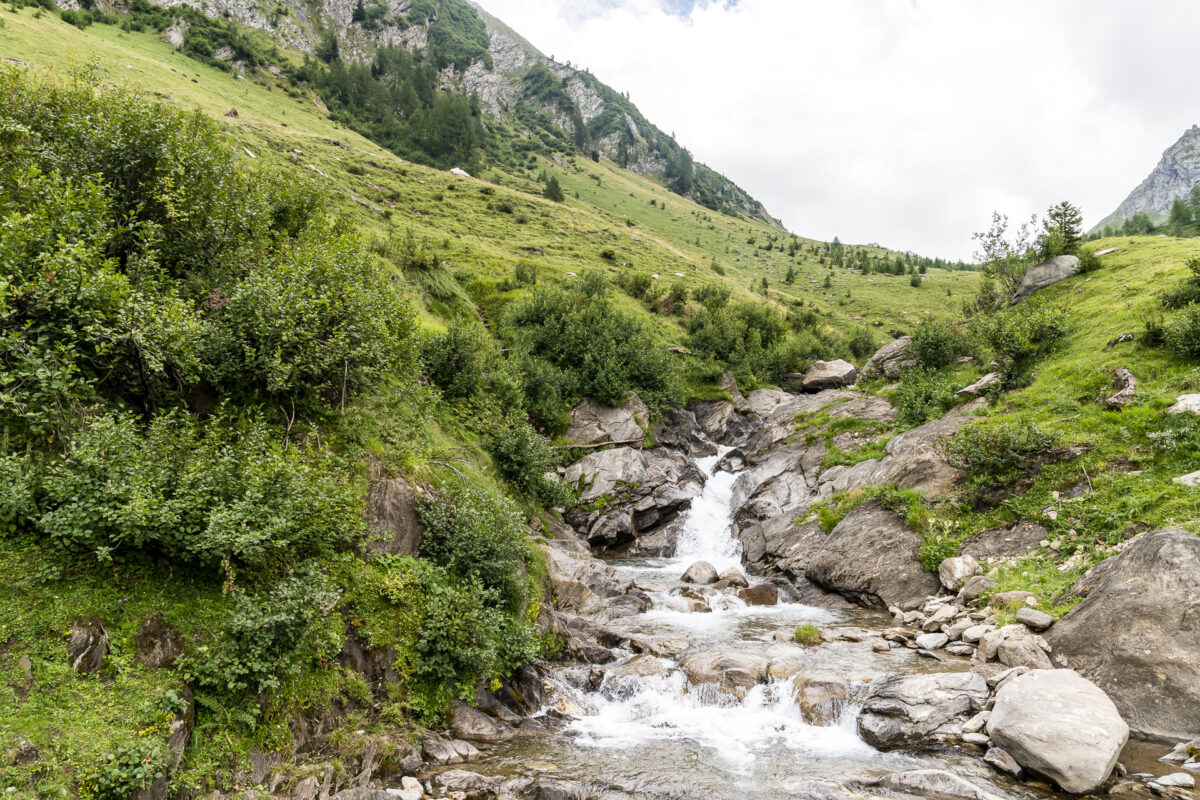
1174 178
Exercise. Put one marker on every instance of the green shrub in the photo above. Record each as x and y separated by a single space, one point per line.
1021 335
808 635
1187 292
222 492
994 457
861 342
126 771
457 359
939 541
935 344
922 396
635 284
525 459
1182 333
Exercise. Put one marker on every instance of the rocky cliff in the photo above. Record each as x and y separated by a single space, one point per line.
1176 174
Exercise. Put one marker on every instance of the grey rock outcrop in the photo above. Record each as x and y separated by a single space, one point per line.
1047 273
1125 386
829 375
393 526
1137 633
980 386
1174 176
955 571
1059 725
912 460
1005 542
915 709
871 558
592 422
890 360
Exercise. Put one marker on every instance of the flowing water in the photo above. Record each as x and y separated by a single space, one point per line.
639 729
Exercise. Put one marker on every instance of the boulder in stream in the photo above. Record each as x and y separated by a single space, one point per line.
700 572
914 709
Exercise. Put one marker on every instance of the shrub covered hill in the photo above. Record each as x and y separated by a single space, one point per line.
281 407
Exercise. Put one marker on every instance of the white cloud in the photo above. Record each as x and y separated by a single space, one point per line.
899 121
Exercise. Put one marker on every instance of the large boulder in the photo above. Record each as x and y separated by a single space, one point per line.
680 430
953 572
601 473
592 422
912 460
1039 276
732 671
871 558
87 646
1137 633
700 572
1059 725
891 359
829 375
393 526
915 709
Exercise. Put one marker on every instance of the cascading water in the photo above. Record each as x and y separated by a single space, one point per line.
641 728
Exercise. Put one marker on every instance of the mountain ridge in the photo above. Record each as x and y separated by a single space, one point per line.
1175 175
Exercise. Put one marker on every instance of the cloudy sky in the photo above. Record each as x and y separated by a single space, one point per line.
903 122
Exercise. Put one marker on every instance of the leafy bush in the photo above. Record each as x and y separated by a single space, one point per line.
1022 335
861 342
526 461
224 491
635 284
935 344
807 635
126 771
994 457
1188 292
922 396
1182 333
478 538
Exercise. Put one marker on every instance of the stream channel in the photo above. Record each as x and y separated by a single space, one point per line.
649 733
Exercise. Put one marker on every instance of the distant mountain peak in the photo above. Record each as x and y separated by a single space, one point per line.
1177 173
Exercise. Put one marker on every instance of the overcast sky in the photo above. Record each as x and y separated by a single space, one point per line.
903 122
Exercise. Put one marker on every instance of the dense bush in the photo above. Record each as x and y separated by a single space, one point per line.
1021 335
922 396
993 457
572 344
526 461
1182 332
935 344
224 491
1187 292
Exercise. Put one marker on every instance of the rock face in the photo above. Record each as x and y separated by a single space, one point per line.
1005 542
829 375
914 709
1137 633
891 359
871 558
393 525
980 386
731 670
592 422
912 460
1174 176
1039 276
1059 725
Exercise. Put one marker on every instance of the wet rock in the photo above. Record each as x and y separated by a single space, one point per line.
472 785
1034 619
1001 761
980 386
734 577
761 594
701 572
891 359
935 784
393 526
681 431
592 422
1126 390
157 644
473 725
1039 276
932 641
730 670
1135 633
957 570
871 558
829 375
1061 726
913 709
821 696
87 646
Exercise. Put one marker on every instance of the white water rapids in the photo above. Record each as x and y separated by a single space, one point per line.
648 732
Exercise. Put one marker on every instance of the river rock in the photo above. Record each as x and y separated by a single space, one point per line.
934 784
472 725
1013 646
592 422
932 641
679 429
956 570
1034 619
1001 761
1061 726
821 696
734 577
87 646
472 785
1136 633
700 572
1039 276
912 709
829 375
871 558
891 359
730 670
974 587
581 583
760 594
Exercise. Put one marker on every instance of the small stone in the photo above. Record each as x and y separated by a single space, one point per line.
734 577
939 618
1032 618
980 739
881 647
975 724
700 572
960 649
976 632
1179 779
1001 761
